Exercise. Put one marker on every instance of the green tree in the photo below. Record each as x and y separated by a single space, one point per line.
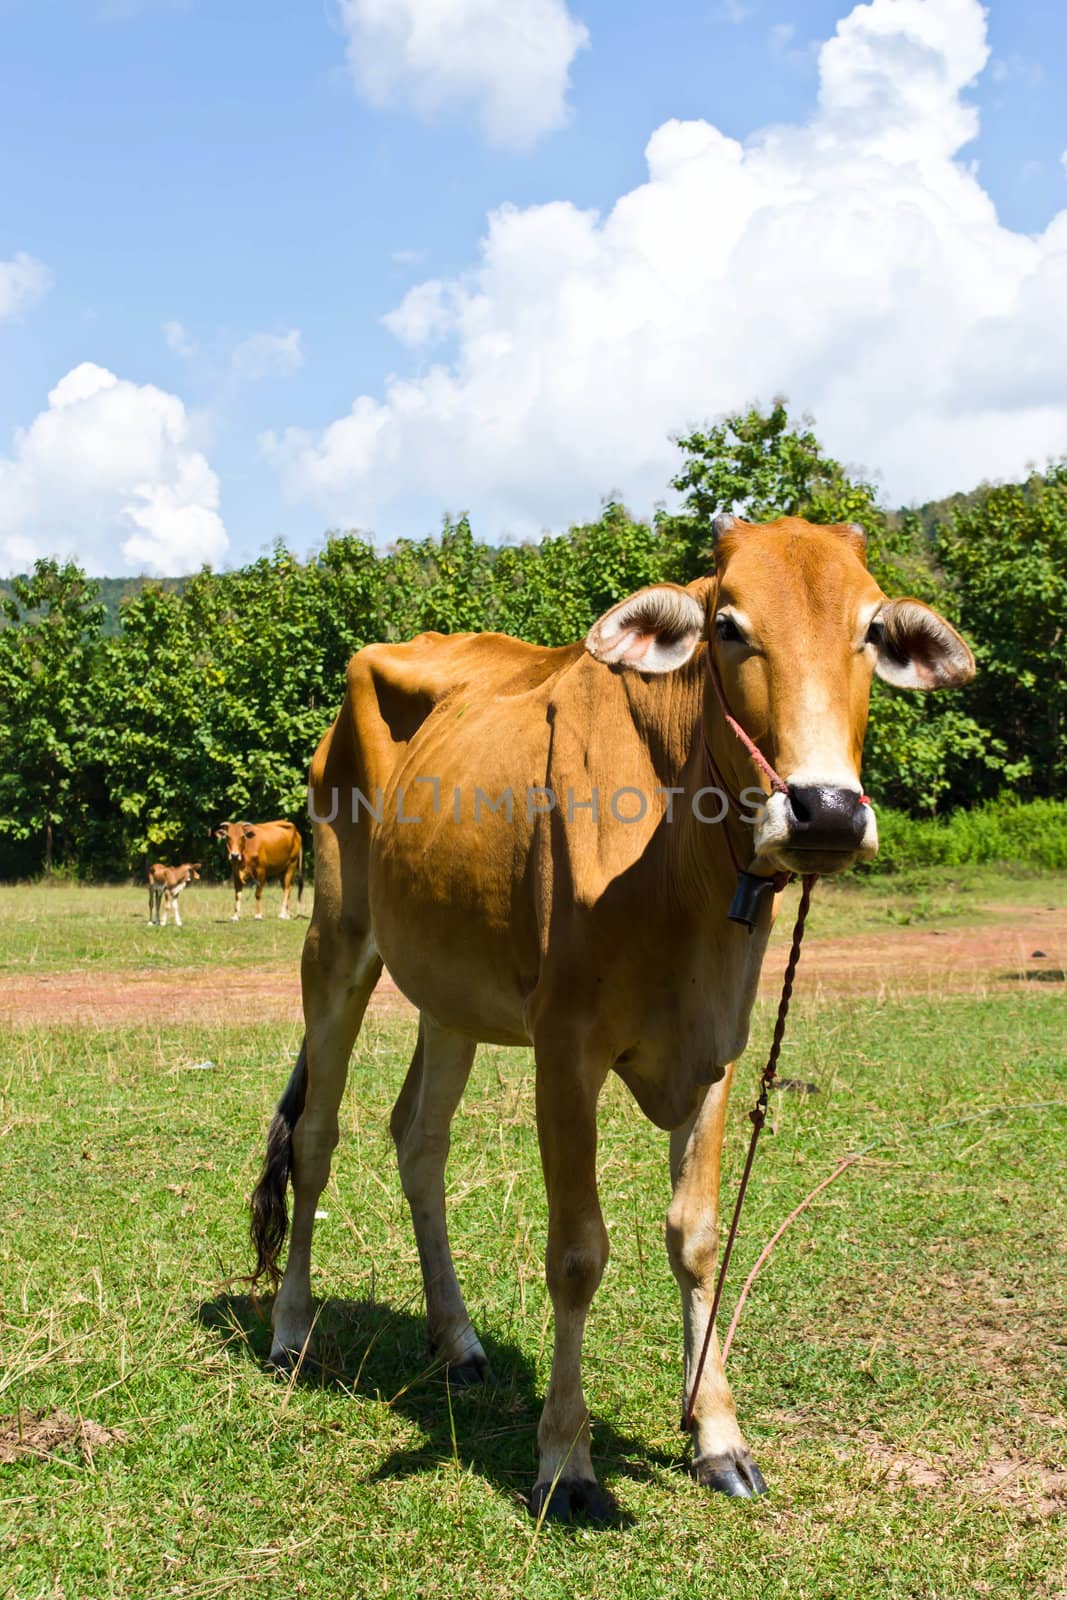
48 653
152 698
920 749
1004 550
552 593
759 465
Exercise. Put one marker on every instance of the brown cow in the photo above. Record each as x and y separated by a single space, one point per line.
259 851
587 916
165 884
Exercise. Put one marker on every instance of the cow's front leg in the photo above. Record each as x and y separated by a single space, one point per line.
259 898
177 913
236 900
721 1459
575 1259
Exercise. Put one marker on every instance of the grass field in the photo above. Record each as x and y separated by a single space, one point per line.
898 1370
63 925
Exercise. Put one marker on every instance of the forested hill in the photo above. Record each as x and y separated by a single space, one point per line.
112 593
210 697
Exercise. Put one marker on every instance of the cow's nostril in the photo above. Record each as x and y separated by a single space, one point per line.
799 802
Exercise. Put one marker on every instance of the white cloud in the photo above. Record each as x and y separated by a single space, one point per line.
267 355
261 355
23 281
179 339
735 11
853 263
1014 68
108 473
425 314
511 61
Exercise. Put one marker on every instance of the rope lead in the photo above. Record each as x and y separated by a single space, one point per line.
758 1116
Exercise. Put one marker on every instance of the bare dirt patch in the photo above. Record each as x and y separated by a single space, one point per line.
1029 1486
47 1433
1023 948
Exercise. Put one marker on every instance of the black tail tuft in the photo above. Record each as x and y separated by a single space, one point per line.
270 1214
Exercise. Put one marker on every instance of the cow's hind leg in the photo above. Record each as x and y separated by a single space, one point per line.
575 1259
287 884
336 992
420 1125
721 1459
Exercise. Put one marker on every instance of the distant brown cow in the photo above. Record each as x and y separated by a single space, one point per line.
165 884
259 851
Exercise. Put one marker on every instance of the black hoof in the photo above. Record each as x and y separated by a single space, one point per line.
737 1476
466 1374
559 1502
283 1363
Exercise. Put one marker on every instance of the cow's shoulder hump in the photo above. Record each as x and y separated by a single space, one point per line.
400 684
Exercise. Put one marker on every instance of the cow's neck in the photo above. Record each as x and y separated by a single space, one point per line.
712 964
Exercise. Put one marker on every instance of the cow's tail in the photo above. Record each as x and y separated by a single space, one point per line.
270 1213
300 874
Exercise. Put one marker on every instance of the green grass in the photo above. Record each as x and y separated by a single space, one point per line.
45 927
935 896
60 926
912 1315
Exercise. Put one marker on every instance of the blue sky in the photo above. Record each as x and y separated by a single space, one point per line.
217 208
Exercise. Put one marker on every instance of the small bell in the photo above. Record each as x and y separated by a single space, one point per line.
744 907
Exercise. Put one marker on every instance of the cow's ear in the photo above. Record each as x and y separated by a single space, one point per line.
655 630
918 649
221 833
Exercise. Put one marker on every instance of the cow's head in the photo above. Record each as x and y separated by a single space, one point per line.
797 627
192 872
234 835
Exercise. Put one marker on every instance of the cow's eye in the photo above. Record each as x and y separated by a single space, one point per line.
876 634
727 630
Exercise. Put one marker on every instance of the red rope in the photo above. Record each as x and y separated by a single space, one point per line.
718 780
776 783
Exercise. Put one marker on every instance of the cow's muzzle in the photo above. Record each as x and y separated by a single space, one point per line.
820 817
814 828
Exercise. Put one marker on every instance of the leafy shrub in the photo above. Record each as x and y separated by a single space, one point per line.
1029 833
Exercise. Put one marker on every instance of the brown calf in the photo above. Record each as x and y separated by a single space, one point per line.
165 884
